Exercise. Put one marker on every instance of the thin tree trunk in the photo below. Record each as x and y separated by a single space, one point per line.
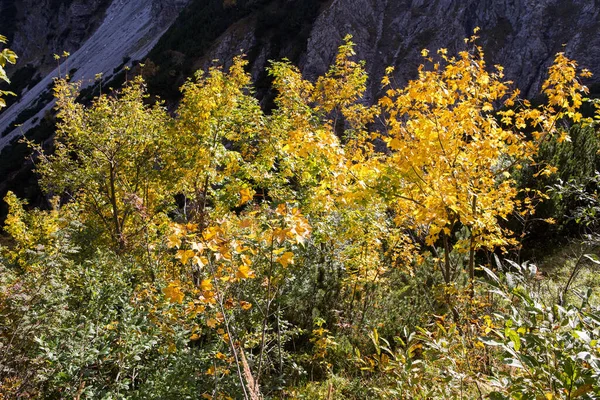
115 208
472 254
447 274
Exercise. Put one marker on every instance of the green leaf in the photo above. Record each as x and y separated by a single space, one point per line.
582 335
497 396
513 362
490 341
491 274
514 338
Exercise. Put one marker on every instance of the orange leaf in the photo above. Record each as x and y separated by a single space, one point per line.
244 272
286 259
245 305
173 293
205 285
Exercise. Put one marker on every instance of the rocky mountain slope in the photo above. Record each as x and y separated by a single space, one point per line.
128 29
522 35
37 29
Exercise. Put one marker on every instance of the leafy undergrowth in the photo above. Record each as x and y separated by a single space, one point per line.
223 252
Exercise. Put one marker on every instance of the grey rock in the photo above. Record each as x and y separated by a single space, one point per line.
128 28
521 35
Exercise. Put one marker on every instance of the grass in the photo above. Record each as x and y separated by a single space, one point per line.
569 261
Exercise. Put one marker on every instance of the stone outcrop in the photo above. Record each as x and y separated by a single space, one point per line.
127 29
38 29
521 35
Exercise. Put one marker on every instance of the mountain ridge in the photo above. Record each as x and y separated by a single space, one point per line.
186 35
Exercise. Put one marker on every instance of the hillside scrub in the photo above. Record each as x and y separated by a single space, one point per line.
327 249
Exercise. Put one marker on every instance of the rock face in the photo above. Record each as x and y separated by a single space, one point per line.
127 29
37 29
164 12
521 35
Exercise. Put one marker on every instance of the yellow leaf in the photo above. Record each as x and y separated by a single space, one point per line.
172 348
173 293
205 285
246 223
112 326
286 259
386 101
246 195
244 272
185 255
212 245
211 323
200 261
191 227
395 144
280 234
246 260
173 240
210 232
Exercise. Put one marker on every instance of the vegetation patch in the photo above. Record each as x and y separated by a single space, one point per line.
222 251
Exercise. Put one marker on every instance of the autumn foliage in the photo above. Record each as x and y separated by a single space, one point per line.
243 252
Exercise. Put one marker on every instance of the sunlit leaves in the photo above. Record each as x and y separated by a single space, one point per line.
246 195
286 259
173 293
113 158
185 255
7 56
206 285
243 272
452 153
